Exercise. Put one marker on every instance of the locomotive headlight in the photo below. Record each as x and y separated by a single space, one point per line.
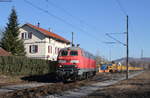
62 61
60 65
74 61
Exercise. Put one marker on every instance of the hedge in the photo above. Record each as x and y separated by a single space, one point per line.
16 65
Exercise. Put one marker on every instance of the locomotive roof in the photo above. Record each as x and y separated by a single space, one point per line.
88 54
72 48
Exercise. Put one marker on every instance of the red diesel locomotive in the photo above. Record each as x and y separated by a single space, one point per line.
75 63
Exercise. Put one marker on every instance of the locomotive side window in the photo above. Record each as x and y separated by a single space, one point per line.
64 53
73 53
82 52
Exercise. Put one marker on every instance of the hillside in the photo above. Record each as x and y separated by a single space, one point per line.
145 61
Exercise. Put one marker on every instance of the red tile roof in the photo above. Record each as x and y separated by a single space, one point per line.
47 33
4 52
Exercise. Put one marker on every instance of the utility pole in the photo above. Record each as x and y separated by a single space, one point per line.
141 53
72 38
142 58
127 45
127 50
110 53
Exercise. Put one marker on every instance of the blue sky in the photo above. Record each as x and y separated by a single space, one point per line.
91 19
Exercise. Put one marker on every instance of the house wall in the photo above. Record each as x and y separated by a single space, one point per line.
43 42
54 44
37 39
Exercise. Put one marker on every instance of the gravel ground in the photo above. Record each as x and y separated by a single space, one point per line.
99 83
137 87
29 91
57 89
6 80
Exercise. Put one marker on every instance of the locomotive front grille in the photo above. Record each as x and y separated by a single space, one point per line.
68 68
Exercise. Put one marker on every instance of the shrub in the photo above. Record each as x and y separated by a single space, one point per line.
17 65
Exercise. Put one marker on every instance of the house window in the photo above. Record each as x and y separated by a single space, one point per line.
30 35
33 48
22 35
26 35
57 50
49 49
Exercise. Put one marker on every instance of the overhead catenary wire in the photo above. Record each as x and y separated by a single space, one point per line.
74 17
109 34
130 22
115 39
69 14
52 15
124 12
116 33
121 7
62 20
5 0
127 38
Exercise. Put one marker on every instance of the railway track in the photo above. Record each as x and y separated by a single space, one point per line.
86 90
57 89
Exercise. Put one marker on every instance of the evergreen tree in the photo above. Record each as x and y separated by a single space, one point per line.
10 40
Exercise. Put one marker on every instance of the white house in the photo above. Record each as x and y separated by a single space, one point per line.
41 43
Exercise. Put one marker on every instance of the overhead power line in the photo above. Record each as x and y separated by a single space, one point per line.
127 38
52 15
121 7
5 0
116 33
115 39
69 14
61 19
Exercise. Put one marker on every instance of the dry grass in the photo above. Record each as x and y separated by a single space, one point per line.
10 80
137 87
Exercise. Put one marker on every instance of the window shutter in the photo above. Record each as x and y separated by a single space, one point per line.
36 48
30 48
22 35
55 50
51 49
30 35
48 49
25 35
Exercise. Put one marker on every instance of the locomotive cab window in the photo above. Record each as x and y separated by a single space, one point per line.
64 53
73 53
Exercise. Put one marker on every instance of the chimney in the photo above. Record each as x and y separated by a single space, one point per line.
50 30
38 25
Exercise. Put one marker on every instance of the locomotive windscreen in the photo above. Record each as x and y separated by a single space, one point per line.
63 53
73 53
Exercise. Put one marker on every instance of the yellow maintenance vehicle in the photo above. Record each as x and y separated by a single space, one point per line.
117 68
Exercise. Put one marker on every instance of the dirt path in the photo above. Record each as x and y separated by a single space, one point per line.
137 87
